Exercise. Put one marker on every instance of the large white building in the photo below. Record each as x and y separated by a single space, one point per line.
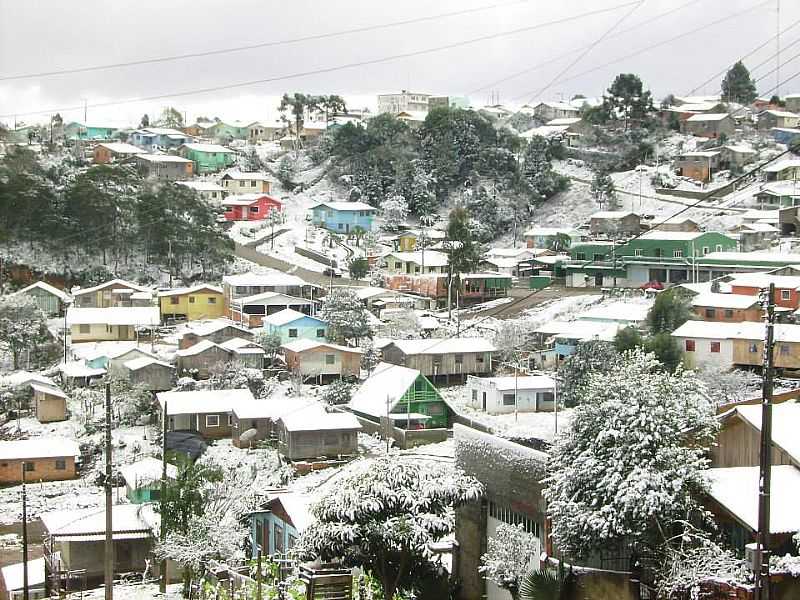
499 395
403 102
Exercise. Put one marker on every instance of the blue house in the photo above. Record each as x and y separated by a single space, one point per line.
343 217
158 138
785 135
292 325
80 131
280 521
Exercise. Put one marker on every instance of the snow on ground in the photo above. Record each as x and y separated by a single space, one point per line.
137 591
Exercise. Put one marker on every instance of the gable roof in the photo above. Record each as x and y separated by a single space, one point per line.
297 507
146 471
204 328
316 418
708 117
239 345
215 148
162 158
48 447
199 348
115 315
190 290
432 258
240 176
346 206
272 278
288 315
202 186
531 382
113 282
121 148
145 361
717 300
89 525
762 280
202 401
385 386
746 330
444 346
46 287
785 424
303 345
248 199
264 296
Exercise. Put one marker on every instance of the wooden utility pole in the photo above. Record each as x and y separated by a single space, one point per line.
162 581
109 547
25 592
765 456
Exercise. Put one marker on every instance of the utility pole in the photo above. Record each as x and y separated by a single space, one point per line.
162 581
778 49
109 547
25 591
765 456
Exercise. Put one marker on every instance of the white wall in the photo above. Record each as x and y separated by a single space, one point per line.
702 354
526 399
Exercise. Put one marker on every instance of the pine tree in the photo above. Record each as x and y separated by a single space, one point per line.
627 100
346 315
603 190
537 170
738 86
395 212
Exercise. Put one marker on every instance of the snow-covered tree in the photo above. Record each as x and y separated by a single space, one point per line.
603 190
346 315
23 327
402 324
510 339
133 405
633 461
270 342
574 374
232 376
726 386
508 557
668 312
337 392
537 169
370 357
286 170
384 516
395 212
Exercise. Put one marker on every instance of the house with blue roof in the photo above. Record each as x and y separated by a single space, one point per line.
343 217
158 138
292 325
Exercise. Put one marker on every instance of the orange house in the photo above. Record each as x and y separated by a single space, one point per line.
730 308
786 287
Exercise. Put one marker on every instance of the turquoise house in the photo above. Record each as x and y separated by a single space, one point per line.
79 131
143 479
280 521
292 325
343 217
208 158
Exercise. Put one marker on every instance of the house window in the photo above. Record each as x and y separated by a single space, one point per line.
320 333
784 349
728 313
253 183
290 540
435 410
598 257
786 294
637 252
84 328
715 347
191 299
29 466
580 256
230 420
474 395
155 495
509 399
241 289
212 300
293 333
705 250
677 253
719 247
331 439
658 253
689 346
253 209
341 226
61 464
710 313
330 359
278 536
174 300
459 358
753 348
212 420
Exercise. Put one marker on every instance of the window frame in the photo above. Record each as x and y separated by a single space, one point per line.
715 347
690 346
209 423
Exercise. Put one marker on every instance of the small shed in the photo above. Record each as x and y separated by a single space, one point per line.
143 479
500 395
50 299
150 374
615 223
13 580
277 524
207 412
50 402
315 433
246 353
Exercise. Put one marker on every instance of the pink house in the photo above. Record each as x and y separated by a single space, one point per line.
250 207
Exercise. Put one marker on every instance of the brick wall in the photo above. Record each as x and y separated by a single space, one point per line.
44 469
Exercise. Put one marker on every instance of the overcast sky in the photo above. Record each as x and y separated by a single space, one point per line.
50 35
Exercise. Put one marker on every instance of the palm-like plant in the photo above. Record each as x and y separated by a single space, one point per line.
547 584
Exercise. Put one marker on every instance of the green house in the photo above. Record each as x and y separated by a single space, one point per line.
143 479
235 130
208 158
405 395
79 131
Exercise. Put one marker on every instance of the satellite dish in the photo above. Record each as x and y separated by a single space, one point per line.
248 436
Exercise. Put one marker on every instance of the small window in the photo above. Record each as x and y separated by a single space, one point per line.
784 349
253 209
715 346
320 333
212 300
341 226
230 420
293 333
753 348
330 359
241 289
290 541
84 328
677 253
509 399
598 257
580 256
459 358
29 466
690 346
728 313
474 395
191 299
719 248
61 464
253 183
637 252
706 250
710 313
786 294
212 420
278 537
435 409
174 300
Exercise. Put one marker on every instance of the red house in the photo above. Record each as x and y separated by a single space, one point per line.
250 207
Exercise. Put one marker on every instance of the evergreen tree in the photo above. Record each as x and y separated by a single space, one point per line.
298 105
466 253
664 347
359 267
286 171
23 327
627 100
669 312
170 117
738 86
628 339
537 170
346 315
395 212
145 122
603 190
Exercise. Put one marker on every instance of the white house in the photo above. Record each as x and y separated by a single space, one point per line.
707 343
112 323
14 580
498 395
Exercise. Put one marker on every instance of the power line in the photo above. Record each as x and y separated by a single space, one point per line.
559 57
332 69
272 44
777 67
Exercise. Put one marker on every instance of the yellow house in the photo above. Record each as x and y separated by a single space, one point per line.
192 303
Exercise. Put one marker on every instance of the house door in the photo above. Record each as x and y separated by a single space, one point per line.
122 332
347 227
598 280
483 401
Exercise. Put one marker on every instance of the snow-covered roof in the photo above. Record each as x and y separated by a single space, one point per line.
303 344
202 186
612 214
46 388
240 176
114 315
544 131
785 114
239 345
563 121
246 199
161 131
580 330
286 316
44 286
122 148
695 106
272 299
779 166
146 471
762 280
764 216
18 378
708 117
785 424
205 328
519 253
678 236
203 401
736 489
746 330
559 106
198 348
79 368
548 231
102 286
632 312
385 386
190 290
14 575
445 346
758 227
531 382
346 206
297 506
784 187
208 148
319 420
724 300
49 447
162 158
273 278
145 361
432 258
129 521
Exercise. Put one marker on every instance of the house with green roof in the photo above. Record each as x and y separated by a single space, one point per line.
208 158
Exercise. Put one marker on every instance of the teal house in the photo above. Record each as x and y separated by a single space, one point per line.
233 130
292 325
143 479
208 158
50 300
343 217
79 131
275 527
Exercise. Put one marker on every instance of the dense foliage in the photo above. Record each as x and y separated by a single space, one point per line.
738 86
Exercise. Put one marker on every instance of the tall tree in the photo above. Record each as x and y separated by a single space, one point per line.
170 117
384 517
575 373
331 105
145 122
537 170
298 105
627 100
738 86
346 315
23 327
668 312
603 190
